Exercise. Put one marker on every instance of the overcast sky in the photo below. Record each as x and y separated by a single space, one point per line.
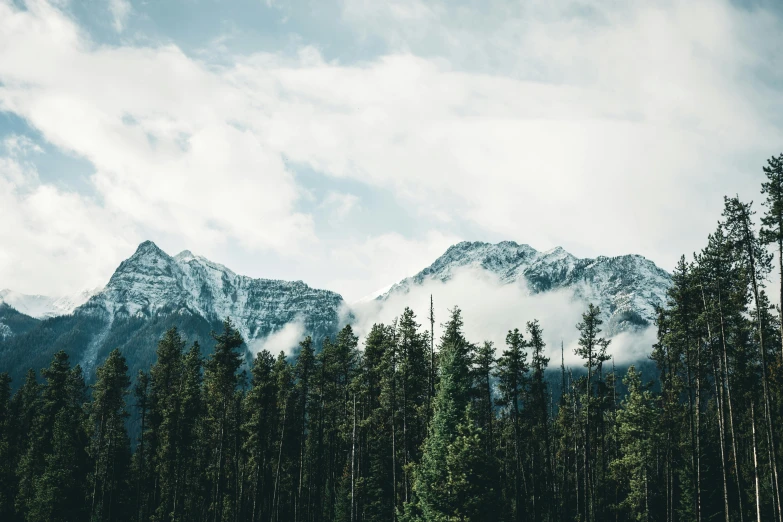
348 143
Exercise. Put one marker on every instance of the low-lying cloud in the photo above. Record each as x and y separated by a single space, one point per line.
491 308
283 340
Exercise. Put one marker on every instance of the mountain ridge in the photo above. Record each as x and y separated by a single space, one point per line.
628 288
151 291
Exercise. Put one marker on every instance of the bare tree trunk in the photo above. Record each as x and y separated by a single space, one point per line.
698 435
275 499
755 460
780 307
767 410
353 459
721 432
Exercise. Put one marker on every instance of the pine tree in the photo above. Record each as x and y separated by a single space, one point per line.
109 445
259 435
141 461
61 489
165 377
471 474
512 370
7 475
637 436
439 485
286 452
538 412
413 389
222 421
772 220
377 497
304 370
43 416
756 264
592 349
191 457
484 368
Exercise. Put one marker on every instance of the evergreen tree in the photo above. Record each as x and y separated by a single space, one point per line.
109 444
512 370
222 422
772 220
7 475
43 415
260 416
592 349
637 436
538 412
141 461
484 368
61 489
443 490
377 491
165 377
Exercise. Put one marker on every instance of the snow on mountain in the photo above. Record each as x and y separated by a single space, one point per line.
43 306
152 282
626 288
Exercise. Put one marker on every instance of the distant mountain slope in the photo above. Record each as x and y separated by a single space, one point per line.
44 306
152 291
627 288
13 322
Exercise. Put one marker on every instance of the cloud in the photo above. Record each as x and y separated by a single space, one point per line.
490 309
605 129
45 227
120 9
17 145
163 132
339 204
283 340
382 260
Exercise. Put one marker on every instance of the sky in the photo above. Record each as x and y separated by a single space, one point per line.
348 143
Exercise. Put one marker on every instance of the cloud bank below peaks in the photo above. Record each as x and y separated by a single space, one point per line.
491 308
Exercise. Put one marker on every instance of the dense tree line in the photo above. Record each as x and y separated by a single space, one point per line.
407 428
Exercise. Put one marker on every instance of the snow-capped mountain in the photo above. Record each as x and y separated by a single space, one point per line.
151 281
152 291
626 288
44 306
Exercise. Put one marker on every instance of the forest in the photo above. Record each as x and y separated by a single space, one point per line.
404 427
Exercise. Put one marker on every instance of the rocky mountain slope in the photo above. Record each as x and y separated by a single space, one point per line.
152 291
627 288
152 282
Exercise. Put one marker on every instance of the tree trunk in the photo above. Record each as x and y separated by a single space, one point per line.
755 460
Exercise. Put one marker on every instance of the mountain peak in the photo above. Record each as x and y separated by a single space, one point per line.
622 285
148 247
184 255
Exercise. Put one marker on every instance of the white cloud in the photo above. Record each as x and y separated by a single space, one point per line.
609 132
490 309
382 260
339 204
120 9
55 241
283 340
17 145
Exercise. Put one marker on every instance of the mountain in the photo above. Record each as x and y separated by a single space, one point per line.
626 288
44 306
13 322
152 291
151 282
